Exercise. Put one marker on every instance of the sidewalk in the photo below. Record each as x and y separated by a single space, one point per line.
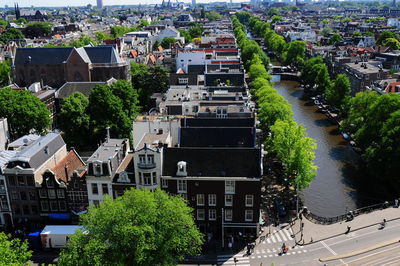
317 232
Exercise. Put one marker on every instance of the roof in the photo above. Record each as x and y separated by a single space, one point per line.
107 150
40 151
64 169
24 140
59 55
61 229
83 87
5 156
214 162
152 140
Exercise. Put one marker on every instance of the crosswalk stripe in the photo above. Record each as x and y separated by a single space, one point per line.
269 241
273 239
282 235
288 234
277 237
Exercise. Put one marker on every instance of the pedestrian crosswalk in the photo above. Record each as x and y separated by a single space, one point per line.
274 252
241 260
278 236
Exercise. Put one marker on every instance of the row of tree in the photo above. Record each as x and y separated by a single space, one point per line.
288 140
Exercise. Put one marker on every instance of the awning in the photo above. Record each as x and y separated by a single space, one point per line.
59 216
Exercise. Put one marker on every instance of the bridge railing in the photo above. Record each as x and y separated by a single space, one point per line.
331 220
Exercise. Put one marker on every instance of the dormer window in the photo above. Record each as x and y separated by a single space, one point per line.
181 169
49 182
97 168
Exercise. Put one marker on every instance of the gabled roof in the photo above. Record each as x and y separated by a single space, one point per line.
65 168
214 162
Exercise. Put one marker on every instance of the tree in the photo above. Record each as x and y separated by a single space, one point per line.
326 31
74 120
139 228
106 110
392 43
385 35
294 53
339 92
295 150
275 19
5 73
148 80
24 112
38 29
11 34
307 73
156 44
128 96
196 30
13 251
335 39
273 11
167 41
322 78
213 15
185 34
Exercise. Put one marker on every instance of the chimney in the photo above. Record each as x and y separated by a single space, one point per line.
108 133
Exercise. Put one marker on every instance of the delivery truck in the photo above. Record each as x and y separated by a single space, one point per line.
57 236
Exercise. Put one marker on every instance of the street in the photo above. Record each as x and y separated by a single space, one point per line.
267 250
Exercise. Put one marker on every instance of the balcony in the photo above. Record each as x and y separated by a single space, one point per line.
146 165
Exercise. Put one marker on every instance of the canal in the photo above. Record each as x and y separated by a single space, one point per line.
332 191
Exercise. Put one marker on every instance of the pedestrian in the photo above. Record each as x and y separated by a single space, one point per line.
348 229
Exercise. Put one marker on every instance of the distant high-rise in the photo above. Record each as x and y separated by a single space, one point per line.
193 2
99 4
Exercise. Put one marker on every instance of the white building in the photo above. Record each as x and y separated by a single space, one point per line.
5 207
308 36
4 134
102 166
366 41
393 22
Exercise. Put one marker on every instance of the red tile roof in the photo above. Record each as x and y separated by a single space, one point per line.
64 169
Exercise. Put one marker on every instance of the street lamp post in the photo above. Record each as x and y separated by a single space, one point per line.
222 225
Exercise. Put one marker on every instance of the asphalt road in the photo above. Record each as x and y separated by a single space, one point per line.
267 251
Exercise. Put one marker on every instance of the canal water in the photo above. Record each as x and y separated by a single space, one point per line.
332 192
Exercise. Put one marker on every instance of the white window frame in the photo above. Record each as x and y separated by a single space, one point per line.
92 186
147 179
228 215
200 199
212 199
227 203
247 215
212 214
182 186
201 213
230 187
249 200
164 183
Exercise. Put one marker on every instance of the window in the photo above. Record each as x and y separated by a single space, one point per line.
183 81
154 178
228 215
200 214
212 199
42 193
248 215
44 205
62 205
182 186
52 193
212 214
96 202
29 180
60 193
26 210
53 205
23 195
140 179
200 199
17 209
249 200
14 195
95 190
21 180
49 182
34 209
367 77
146 179
11 179
32 195
104 188
164 182
228 200
150 158
230 187
97 169
142 158
76 185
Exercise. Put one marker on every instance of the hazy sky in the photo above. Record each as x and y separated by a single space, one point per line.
23 3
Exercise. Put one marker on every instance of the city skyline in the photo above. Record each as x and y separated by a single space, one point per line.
71 3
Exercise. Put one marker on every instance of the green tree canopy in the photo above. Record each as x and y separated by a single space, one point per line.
38 29
128 96
167 41
74 120
13 251
392 43
294 53
156 44
24 112
322 78
185 34
385 35
213 16
139 228
307 73
5 73
335 38
295 150
11 34
326 31
276 18
339 93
